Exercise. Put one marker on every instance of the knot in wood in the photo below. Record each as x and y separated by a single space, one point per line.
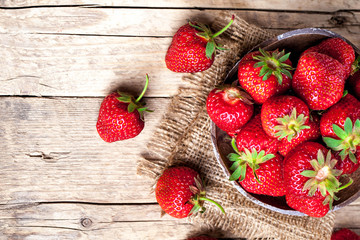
338 20
86 222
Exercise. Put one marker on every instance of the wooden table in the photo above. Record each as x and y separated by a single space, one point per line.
59 59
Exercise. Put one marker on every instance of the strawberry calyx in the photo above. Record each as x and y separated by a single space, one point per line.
135 104
349 139
200 196
206 33
233 94
273 64
290 126
324 177
245 159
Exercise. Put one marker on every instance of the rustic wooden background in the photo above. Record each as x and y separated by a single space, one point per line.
58 179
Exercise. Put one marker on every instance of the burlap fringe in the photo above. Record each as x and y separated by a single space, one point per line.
183 138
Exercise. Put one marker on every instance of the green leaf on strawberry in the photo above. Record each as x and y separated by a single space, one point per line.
349 139
273 64
290 126
324 177
245 159
206 33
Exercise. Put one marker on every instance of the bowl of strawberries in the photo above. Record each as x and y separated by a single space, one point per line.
286 123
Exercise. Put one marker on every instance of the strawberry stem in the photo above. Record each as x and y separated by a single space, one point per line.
212 201
144 90
225 28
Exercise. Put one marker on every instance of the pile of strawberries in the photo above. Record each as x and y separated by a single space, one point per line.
295 130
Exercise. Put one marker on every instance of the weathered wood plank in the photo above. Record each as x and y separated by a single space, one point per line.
51 152
94 220
63 65
87 221
150 22
318 5
50 65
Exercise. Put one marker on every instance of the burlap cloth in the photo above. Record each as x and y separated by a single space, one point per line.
183 137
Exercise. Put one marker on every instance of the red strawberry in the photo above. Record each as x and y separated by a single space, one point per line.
319 80
193 48
345 164
252 135
310 178
344 234
313 207
257 172
354 82
338 49
202 238
284 116
354 79
229 108
264 74
180 192
256 163
340 128
121 116
309 134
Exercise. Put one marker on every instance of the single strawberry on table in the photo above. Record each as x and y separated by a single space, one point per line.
229 107
193 48
265 73
311 179
256 164
340 129
121 116
320 75
180 192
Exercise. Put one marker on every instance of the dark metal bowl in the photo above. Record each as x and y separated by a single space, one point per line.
295 42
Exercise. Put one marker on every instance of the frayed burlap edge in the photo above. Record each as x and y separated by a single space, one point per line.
183 138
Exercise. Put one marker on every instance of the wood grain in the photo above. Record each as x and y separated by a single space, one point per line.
52 152
59 180
145 22
318 5
47 54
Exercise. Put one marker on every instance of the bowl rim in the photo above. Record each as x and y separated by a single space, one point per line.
214 128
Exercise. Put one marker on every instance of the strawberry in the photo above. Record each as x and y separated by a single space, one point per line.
252 135
264 74
309 134
340 128
257 172
229 108
344 234
354 79
354 82
319 78
338 49
203 237
345 164
180 192
257 165
121 116
193 48
284 116
313 207
310 179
